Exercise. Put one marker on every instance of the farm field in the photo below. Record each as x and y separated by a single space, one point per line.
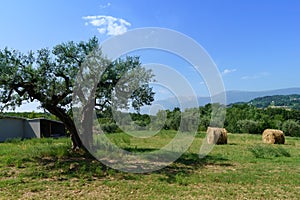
243 169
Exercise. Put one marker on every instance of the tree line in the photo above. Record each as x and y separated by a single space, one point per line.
240 118
29 115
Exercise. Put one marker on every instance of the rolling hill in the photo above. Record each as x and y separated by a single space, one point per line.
283 101
231 96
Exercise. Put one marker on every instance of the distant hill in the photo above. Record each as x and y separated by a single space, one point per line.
281 101
231 96
246 96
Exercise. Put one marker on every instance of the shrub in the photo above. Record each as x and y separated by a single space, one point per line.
249 126
138 125
110 128
291 128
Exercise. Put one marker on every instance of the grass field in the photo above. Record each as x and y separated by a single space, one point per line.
243 169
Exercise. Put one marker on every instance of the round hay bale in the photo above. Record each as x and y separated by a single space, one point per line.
216 135
273 136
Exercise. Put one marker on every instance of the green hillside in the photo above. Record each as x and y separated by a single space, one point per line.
283 101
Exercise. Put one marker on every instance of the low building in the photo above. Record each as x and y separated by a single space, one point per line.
16 127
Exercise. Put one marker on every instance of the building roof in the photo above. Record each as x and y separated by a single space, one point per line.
38 119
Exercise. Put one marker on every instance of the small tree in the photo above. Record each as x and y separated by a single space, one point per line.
173 119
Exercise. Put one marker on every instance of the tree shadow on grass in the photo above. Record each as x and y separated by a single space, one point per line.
77 165
186 159
187 164
83 165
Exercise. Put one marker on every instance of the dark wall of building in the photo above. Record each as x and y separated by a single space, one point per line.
52 129
12 127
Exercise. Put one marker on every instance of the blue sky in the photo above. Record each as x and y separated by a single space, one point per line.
255 44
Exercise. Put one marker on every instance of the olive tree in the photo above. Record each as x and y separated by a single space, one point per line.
51 77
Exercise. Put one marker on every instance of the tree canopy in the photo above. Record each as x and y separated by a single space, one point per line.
51 77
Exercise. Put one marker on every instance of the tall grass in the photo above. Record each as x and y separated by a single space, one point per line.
268 151
16 152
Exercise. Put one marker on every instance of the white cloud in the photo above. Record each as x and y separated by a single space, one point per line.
90 17
122 21
97 22
228 71
256 76
101 30
107 24
105 6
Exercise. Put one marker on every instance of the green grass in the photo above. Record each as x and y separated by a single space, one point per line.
243 169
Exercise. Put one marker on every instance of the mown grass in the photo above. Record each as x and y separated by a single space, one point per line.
243 169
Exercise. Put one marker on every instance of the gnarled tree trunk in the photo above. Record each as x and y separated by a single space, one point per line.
70 125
